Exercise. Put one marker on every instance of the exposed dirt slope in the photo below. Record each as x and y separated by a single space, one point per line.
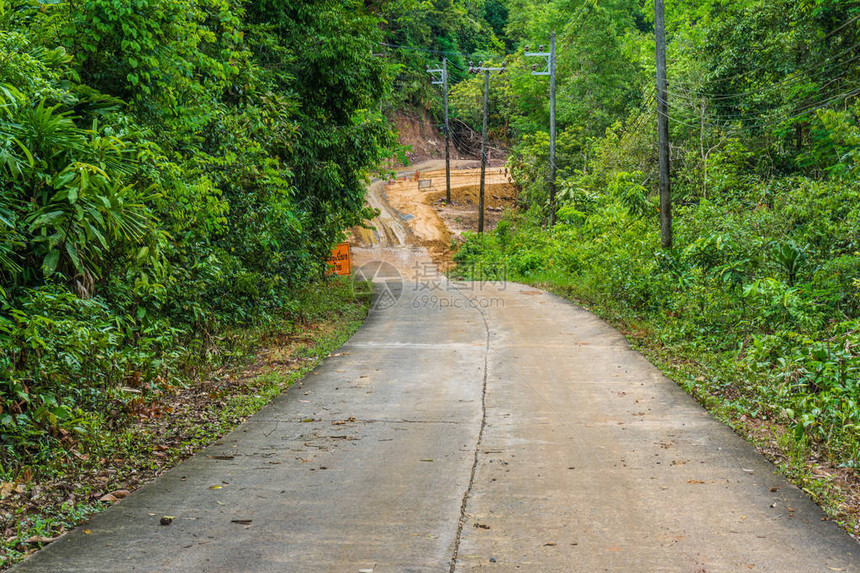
420 131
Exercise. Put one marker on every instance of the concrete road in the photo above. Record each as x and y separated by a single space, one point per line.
472 426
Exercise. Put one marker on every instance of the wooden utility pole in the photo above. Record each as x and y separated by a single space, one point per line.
442 80
663 127
549 71
447 133
486 71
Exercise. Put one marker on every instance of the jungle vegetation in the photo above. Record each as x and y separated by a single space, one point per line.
172 171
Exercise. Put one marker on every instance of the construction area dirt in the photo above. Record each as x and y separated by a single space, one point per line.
413 211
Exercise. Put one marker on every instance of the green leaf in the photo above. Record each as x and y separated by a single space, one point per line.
60 412
94 232
49 265
85 179
26 151
63 179
73 254
46 219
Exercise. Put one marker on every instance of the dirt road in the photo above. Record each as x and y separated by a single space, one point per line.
415 221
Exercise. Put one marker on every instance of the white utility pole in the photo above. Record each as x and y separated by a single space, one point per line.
442 80
549 71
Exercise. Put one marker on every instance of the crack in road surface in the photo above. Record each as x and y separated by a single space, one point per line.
464 506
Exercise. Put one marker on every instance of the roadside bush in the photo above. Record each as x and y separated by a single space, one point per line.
765 295
169 174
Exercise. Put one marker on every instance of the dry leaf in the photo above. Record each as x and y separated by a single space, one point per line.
39 539
120 493
6 489
108 498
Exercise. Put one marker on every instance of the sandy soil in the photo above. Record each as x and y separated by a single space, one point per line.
414 212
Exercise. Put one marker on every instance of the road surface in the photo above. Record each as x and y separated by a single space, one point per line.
469 427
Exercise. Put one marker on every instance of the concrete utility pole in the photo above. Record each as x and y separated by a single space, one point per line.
442 80
486 71
549 71
663 127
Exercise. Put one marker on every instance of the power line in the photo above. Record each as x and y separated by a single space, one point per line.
820 68
819 89
799 112
741 116
759 68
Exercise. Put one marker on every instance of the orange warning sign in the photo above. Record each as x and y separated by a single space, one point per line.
340 262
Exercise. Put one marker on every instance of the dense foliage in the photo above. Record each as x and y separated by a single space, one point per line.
171 170
762 289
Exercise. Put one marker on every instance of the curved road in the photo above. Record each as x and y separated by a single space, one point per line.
469 426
